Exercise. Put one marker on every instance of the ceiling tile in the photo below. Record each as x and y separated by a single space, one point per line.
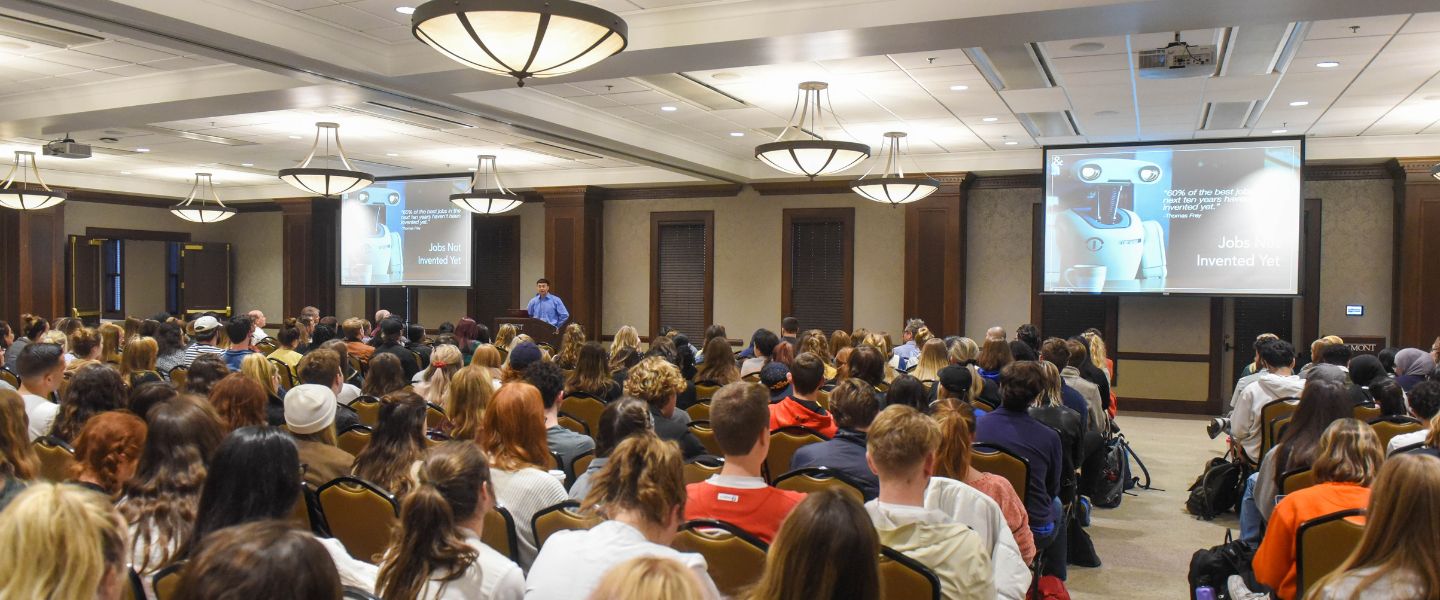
1362 45
1085 64
347 17
1036 100
399 34
594 101
867 64
930 60
1340 28
80 59
299 4
611 86
1422 22
125 52
637 98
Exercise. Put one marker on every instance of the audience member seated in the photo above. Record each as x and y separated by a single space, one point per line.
205 372
1011 427
1424 401
112 341
908 353
385 376
592 374
107 450
310 418
740 416
160 501
289 337
801 406
239 401
466 398
239 331
84 344
953 460
826 550
775 377
641 494
647 577
901 451
73 541
513 435
205 334
396 446
261 559
351 331
1321 403
994 355
139 361
141 399
570 343
420 345
720 369
908 391
41 368
1412 365
436 552
763 342
322 367
18 462
1347 461
964 384
658 383
1388 395
523 355
93 389
253 477
550 381
445 361
1275 382
1095 418
1066 422
391 341
934 355
1056 352
853 406
620 419
1397 554
867 364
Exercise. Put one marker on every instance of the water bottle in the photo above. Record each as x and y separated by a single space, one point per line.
1205 592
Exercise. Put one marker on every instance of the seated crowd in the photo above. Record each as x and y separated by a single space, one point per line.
201 454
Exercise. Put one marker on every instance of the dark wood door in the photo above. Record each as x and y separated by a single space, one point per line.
82 278
205 279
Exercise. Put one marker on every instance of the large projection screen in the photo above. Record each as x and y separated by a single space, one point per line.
1218 218
405 233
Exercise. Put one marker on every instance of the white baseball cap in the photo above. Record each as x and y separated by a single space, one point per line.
205 324
309 408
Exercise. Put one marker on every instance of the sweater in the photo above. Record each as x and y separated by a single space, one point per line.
950 549
1274 562
524 493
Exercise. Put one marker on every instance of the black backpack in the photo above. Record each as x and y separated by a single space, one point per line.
1106 481
1213 567
1219 489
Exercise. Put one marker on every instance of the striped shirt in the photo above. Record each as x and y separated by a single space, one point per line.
196 350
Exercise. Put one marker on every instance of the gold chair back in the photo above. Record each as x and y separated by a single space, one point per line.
994 459
1322 544
499 533
367 408
56 459
584 408
354 439
565 516
360 515
815 479
904 578
734 559
783 444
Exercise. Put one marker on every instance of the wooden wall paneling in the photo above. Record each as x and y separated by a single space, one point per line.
573 250
935 258
1416 323
311 249
32 248
1310 290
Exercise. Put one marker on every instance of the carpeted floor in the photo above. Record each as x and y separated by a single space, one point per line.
1145 544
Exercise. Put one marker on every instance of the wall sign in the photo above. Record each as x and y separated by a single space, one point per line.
1364 344
1354 310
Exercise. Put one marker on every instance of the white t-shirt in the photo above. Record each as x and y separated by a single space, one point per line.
1406 439
572 562
492 577
348 393
353 572
42 415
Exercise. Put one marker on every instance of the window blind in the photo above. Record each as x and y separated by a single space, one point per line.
681 252
817 274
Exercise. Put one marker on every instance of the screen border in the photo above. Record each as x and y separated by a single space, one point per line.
340 231
1300 283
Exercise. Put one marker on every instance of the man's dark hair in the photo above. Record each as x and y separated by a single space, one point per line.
542 280
35 359
1425 399
1022 351
391 329
548 378
1056 352
1277 354
1020 383
238 329
208 337
808 372
1336 354
416 333
1029 334
319 366
765 342
790 325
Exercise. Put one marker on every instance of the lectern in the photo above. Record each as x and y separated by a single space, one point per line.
540 331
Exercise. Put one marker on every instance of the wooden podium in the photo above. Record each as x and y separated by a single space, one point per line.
540 331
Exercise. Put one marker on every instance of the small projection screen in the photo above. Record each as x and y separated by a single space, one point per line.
405 233
1216 218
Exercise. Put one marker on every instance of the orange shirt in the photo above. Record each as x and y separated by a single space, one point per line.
360 350
757 508
1274 562
788 412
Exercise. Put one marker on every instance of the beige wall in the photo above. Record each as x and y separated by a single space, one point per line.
1357 254
144 276
748 237
998 253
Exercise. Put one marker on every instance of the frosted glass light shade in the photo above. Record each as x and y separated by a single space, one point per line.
326 182
812 158
895 190
19 199
520 38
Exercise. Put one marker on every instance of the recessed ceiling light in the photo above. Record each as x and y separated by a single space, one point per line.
405 10
1011 143
1279 131
668 108
1327 64
1300 103
391 154
124 172
294 137
737 134
247 164
959 88
142 149
990 119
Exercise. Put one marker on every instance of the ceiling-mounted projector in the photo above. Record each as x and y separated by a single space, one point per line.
67 148
1176 60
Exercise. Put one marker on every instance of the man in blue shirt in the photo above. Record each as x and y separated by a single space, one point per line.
240 331
545 307
908 352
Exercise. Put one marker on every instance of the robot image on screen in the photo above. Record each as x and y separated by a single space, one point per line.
1101 242
374 249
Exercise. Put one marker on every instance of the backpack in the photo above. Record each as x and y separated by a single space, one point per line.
1131 481
1218 489
1213 567
1049 587
1105 476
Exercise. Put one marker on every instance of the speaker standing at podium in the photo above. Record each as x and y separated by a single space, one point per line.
546 307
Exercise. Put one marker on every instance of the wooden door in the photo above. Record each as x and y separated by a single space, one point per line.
82 278
205 279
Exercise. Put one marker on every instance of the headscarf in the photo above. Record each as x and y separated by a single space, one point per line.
1365 369
1414 362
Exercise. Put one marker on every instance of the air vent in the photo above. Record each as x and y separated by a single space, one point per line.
1013 67
689 89
198 137
41 33
1048 124
405 116
554 151
1226 115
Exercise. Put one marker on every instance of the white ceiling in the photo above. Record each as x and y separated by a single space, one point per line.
240 101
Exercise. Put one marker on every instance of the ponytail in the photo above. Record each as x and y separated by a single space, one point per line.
429 543
644 474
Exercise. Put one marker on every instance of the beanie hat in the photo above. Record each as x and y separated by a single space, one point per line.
309 408
523 355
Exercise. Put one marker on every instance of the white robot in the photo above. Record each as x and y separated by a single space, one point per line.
1102 243
377 256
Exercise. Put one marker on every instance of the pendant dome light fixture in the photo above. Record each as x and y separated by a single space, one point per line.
487 196
325 181
20 195
800 149
520 38
893 186
203 205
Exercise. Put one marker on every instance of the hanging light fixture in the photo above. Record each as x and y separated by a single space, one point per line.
483 197
520 38
892 186
203 205
800 149
1435 171
324 181
19 195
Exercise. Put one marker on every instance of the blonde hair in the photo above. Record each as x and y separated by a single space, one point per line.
964 350
933 357
570 345
647 577
1403 524
625 337
654 380
445 361
72 539
110 334
466 398
645 474
258 368
1317 347
57 337
900 438
17 455
504 336
139 356
1349 452
1097 351
1051 394
814 342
